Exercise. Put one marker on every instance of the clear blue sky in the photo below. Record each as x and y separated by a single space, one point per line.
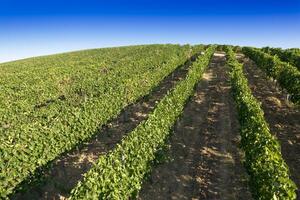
30 28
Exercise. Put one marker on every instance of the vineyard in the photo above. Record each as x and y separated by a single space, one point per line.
152 122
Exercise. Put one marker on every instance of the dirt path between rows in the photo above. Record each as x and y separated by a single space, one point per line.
205 161
66 171
283 119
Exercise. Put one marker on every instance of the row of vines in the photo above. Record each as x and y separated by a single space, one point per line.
287 75
269 174
289 55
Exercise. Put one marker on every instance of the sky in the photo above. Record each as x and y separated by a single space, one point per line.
32 28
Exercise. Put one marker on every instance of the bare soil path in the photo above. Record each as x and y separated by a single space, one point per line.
283 118
66 171
205 158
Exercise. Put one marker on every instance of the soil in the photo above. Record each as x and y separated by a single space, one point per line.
68 169
282 116
205 161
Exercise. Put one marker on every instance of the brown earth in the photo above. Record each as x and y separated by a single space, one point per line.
283 117
205 161
67 170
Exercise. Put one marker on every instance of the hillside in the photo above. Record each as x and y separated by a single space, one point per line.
151 122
